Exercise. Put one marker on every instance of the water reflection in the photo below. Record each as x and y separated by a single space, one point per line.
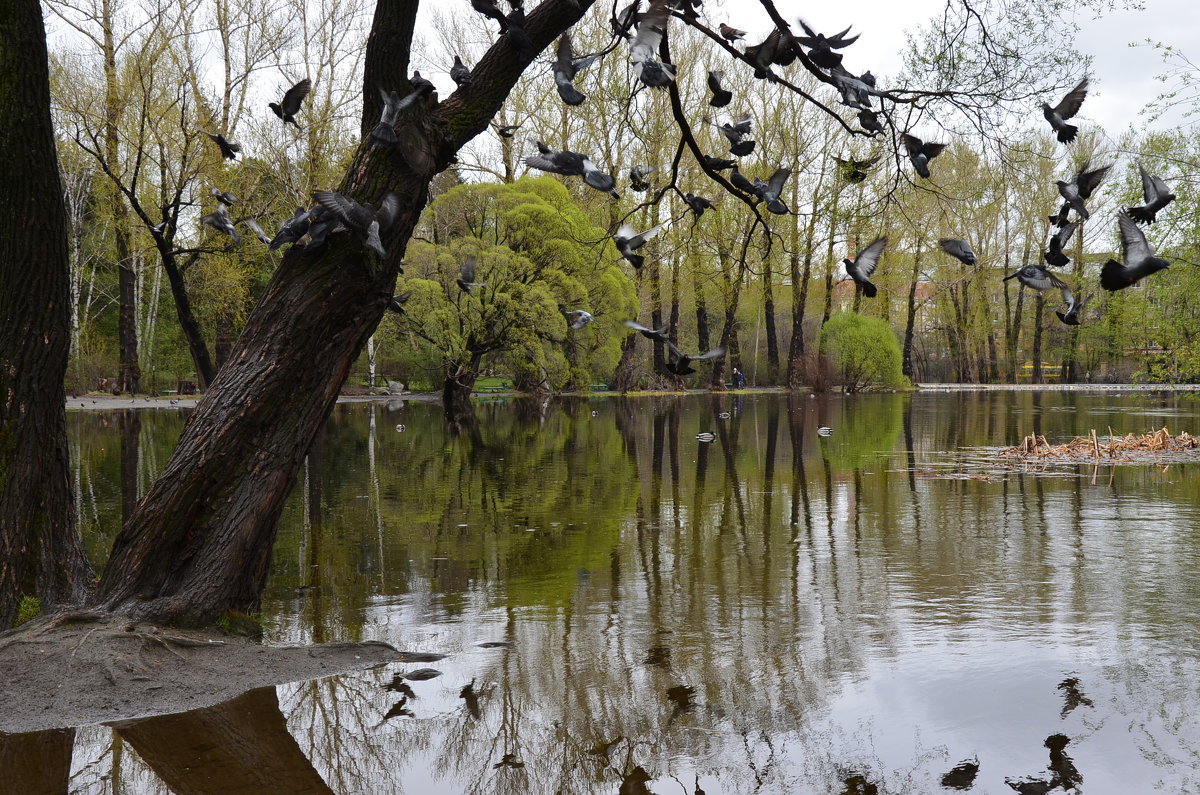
626 608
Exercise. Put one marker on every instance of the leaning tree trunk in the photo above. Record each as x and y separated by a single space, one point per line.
200 540
39 540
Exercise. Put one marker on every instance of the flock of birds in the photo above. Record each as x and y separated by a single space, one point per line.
334 213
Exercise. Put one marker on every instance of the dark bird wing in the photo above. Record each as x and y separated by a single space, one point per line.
868 259
1134 248
1088 181
467 270
1072 101
959 249
1038 278
773 190
294 96
339 205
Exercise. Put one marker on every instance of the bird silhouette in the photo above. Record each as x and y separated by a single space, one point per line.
773 188
506 130
639 178
228 199
680 362
362 218
718 163
1054 254
460 73
229 149
1036 277
466 276
572 164
698 204
287 108
581 318
393 104
774 50
736 132
566 67
1075 305
869 121
1081 187
651 27
920 152
959 249
657 334
1064 110
492 11
291 230
397 302
730 33
720 96
861 267
628 242
1138 255
219 220
1155 196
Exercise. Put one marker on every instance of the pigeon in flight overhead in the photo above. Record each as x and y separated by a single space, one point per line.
257 230
228 199
959 249
460 73
566 66
639 178
718 163
229 149
855 171
1036 277
736 132
730 33
385 130
651 27
1074 307
861 267
628 242
821 48
657 334
398 301
623 22
771 190
774 50
1081 187
466 276
720 96
1064 110
291 230
572 164
362 218
869 121
289 106
1137 253
698 204
1155 195
507 130
920 153
1054 254
219 220
680 362
492 11
581 318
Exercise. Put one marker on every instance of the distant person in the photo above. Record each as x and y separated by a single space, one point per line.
739 379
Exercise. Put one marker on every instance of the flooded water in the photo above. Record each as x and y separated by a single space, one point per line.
626 608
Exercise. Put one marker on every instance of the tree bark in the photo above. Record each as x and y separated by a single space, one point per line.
200 540
910 324
39 539
772 340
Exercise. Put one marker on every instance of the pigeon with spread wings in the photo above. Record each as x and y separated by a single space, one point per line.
861 267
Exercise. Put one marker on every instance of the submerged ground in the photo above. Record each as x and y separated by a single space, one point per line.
773 611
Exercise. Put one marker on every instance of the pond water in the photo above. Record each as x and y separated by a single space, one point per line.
624 607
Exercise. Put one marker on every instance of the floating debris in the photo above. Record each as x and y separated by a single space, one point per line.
1151 448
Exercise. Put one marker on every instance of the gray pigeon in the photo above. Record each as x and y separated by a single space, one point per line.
398 301
257 230
774 186
1036 277
774 50
581 318
289 106
718 163
740 182
362 218
517 36
507 130
698 204
659 334
1074 307
628 241
1138 255
466 276
1054 254
736 132
869 121
492 11
680 361
643 51
460 73
229 149
1155 194
291 230
920 153
385 130
566 67
730 33
1064 110
720 96
219 220
639 178
228 199
572 164
959 249
861 267
1081 187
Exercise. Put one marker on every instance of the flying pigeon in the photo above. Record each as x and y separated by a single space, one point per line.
219 220
518 38
861 267
1156 196
869 121
1036 277
582 318
623 22
289 106
774 50
639 178
460 73
679 364
1064 110
821 47
1081 187
774 186
657 334
385 130
398 301
736 132
573 164
291 230
229 149
1138 254
507 130
959 249
228 199
362 218
698 204
492 11
566 66
628 241
721 97
651 27
920 153
257 230
855 171
856 91
1054 254
730 33
466 276
1074 307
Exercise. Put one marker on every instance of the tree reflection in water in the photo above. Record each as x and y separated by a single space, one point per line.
868 609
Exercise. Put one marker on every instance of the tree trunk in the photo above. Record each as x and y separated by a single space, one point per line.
702 332
39 539
200 540
205 371
1037 339
772 341
911 323
733 284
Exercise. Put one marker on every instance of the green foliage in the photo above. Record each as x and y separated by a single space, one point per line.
30 606
864 351
538 255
